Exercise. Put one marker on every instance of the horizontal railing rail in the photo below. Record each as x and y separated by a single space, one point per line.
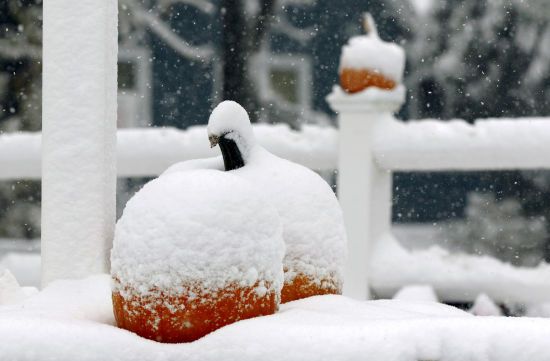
488 144
144 152
425 145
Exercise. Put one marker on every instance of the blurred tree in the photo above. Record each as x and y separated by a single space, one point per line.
244 26
479 58
499 229
20 107
243 30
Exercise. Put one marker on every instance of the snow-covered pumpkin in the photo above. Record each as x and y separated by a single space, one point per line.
313 227
367 61
195 251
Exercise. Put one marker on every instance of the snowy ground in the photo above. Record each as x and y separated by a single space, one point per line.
73 320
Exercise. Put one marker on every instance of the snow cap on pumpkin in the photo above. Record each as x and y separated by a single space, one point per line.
372 53
201 227
231 120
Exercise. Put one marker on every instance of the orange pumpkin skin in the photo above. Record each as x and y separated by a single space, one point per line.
175 319
355 80
302 286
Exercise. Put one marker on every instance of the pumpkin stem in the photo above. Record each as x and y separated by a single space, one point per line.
369 25
232 156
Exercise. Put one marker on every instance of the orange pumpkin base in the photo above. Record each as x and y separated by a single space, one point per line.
355 80
175 319
303 286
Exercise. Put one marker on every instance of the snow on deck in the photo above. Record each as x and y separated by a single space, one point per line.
73 320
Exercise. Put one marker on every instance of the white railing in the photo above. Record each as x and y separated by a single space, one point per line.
147 152
390 146
372 145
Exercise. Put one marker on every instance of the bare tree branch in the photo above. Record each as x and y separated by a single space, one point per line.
205 6
263 21
281 24
162 30
300 35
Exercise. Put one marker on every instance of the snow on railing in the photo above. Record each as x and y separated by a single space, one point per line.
145 152
419 145
489 144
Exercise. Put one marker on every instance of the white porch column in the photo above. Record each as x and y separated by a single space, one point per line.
364 189
79 136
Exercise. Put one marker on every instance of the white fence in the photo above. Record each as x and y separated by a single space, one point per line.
370 145
142 152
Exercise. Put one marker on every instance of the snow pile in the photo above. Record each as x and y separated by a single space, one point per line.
202 226
419 293
10 291
456 277
73 320
24 266
484 306
84 300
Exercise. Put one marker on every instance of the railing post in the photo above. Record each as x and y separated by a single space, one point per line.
79 136
364 189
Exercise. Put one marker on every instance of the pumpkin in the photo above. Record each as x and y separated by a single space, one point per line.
367 61
194 251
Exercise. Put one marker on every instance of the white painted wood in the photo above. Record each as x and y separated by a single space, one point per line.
520 143
489 144
364 189
146 152
79 136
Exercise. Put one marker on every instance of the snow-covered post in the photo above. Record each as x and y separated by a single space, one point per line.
364 188
79 136
369 93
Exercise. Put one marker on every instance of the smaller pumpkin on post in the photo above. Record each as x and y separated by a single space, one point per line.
368 61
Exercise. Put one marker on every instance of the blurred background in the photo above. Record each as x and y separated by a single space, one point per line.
466 59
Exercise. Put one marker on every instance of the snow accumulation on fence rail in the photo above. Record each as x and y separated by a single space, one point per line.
424 145
488 144
457 277
149 151
73 320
